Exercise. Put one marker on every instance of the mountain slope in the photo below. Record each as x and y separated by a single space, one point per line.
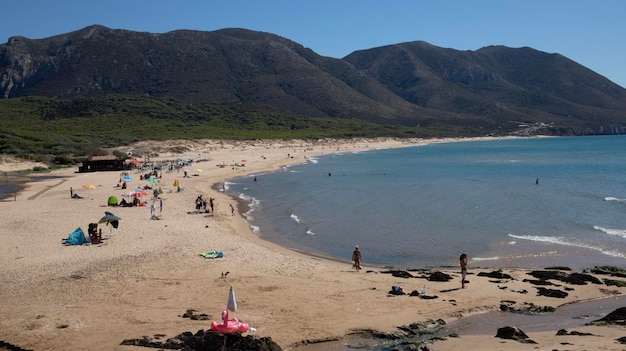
410 84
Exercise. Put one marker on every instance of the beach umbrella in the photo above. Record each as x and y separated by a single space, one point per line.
139 193
232 302
90 187
176 183
110 218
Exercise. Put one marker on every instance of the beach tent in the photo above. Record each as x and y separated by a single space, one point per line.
77 237
112 201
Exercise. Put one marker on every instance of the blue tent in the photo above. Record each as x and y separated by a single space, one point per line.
77 237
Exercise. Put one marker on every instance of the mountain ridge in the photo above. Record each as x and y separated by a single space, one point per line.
490 90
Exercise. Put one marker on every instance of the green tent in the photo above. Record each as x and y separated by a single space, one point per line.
112 201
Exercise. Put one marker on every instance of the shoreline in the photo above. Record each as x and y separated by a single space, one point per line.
148 273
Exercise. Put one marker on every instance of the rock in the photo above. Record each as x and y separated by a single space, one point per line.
439 277
11 347
614 282
610 270
494 274
510 332
399 273
573 278
428 297
616 317
537 282
527 308
551 293
558 268
208 341
429 326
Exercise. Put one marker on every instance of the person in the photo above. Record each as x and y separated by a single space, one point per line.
71 192
463 263
212 204
356 258
232 210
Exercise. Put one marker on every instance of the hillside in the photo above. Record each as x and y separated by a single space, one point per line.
407 89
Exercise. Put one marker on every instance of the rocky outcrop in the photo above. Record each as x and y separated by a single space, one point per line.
617 317
513 333
495 274
207 341
573 278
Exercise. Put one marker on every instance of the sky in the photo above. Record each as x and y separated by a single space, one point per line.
591 33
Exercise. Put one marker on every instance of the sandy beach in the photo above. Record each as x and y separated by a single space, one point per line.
147 273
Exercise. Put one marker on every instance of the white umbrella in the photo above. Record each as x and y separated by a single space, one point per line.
232 302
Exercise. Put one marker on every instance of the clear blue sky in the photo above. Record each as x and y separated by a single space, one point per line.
592 33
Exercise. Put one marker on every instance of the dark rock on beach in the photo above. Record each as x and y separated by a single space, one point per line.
513 333
495 274
551 293
565 332
399 273
617 317
614 282
207 341
537 282
525 308
430 326
558 268
10 347
609 270
439 277
573 278
191 314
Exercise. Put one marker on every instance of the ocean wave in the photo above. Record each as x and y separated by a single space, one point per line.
312 159
496 258
568 242
616 232
255 229
616 199
310 232
295 218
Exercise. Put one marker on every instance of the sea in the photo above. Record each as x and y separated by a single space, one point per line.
521 202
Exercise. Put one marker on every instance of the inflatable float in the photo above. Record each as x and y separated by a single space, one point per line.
229 326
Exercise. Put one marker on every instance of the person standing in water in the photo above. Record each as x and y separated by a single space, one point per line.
463 263
356 258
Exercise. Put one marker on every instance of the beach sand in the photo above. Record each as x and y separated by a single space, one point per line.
148 273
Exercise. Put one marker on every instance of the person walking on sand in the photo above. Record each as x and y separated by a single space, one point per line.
463 263
356 258
232 210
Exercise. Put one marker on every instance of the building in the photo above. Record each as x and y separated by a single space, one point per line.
103 163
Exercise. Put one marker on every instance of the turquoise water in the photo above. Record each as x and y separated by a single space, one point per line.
422 206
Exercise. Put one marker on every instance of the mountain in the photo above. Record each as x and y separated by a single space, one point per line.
494 89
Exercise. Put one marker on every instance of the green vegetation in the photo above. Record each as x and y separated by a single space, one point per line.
60 131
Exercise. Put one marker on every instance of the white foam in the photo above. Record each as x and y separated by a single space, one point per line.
295 218
310 232
616 232
566 242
